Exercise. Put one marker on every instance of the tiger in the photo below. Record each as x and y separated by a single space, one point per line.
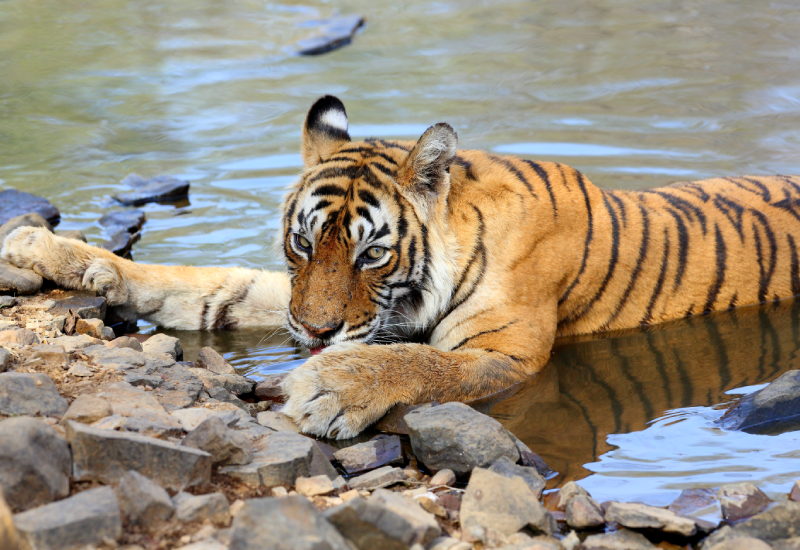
417 272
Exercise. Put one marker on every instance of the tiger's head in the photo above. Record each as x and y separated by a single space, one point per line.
362 231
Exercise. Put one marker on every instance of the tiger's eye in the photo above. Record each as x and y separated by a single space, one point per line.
376 252
302 242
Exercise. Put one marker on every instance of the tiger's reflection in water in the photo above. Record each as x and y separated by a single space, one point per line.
617 383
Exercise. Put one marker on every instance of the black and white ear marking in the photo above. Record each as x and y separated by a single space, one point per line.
325 130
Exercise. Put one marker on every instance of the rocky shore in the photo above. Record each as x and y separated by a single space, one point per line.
114 441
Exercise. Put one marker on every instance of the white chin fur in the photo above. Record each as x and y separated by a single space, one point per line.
335 119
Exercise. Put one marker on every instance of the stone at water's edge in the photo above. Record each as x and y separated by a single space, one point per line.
208 358
15 203
161 343
692 500
20 281
771 410
277 421
141 501
84 519
129 221
742 500
30 393
120 243
779 522
371 454
157 189
86 305
269 389
583 512
505 467
531 459
457 437
640 516
234 383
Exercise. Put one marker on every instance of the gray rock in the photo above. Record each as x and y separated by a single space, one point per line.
30 393
180 388
161 343
226 446
692 500
641 516
129 221
371 454
6 359
621 539
382 477
771 410
209 359
73 234
19 336
224 396
778 522
141 380
277 421
20 281
51 357
126 342
26 220
15 203
84 304
7 301
137 410
157 189
584 513
105 455
72 343
108 334
117 358
279 459
143 502
749 543
269 389
237 385
506 468
332 34
289 522
457 437
212 507
532 460
160 361
191 418
35 463
87 409
741 500
121 243
84 519
386 520
503 504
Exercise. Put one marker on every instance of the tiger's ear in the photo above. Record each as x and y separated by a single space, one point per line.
324 131
425 175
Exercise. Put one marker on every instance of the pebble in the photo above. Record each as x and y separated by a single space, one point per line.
19 281
30 393
313 486
7 301
371 454
332 34
622 539
84 304
457 437
277 421
226 446
641 516
25 220
14 203
382 477
35 463
161 343
211 507
209 359
584 513
142 501
741 500
19 336
157 189
771 410
443 477
505 467
87 409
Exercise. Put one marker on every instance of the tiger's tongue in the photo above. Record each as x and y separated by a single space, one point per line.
316 351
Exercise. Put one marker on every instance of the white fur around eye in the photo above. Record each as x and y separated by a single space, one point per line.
335 119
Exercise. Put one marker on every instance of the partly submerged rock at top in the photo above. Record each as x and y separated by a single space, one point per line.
332 34
15 203
157 189
772 410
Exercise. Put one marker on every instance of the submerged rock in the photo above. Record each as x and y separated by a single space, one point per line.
15 203
771 410
157 189
332 34
30 393
371 454
741 500
20 281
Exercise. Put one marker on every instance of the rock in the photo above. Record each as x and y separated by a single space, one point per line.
224 396
569 491
80 369
120 243
209 359
211 507
382 477
443 477
84 304
237 385
126 342
692 500
313 486
741 500
8 533
503 504
640 516
777 523
51 357
277 421
129 221
394 420
795 493
25 220
138 411
193 417
385 520
771 410
531 459
457 437
72 343
160 361
744 543
372 454
20 281
279 460
6 359
289 522
226 446
115 358
621 539
157 189
73 234
30 393
269 389
19 336
333 34
584 513
432 507
7 301
181 388
161 343
530 476
35 463
84 519
88 409
105 455
90 327
141 501
14 203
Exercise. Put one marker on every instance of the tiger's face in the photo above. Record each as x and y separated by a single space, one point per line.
355 232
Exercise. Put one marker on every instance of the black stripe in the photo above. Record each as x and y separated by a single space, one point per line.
662 276
639 264
334 172
328 191
719 277
725 206
683 205
766 278
589 236
320 205
364 213
695 190
621 205
369 198
683 248
763 188
542 173
511 168
221 319
465 340
478 251
388 171
795 266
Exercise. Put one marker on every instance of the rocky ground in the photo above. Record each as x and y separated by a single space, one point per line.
112 441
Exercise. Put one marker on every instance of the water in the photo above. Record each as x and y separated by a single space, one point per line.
633 94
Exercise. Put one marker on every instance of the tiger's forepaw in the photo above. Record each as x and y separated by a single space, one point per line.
21 246
335 395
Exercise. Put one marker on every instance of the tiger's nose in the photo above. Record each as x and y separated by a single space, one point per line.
323 332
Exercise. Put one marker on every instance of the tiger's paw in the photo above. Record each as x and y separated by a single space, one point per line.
22 246
336 394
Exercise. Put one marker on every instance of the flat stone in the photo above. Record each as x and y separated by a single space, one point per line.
748 543
771 410
226 446
139 378
105 455
457 437
25 220
161 343
129 221
289 522
532 460
181 388
19 336
73 234
269 389
237 385
35 463
741 500
212 507
386 520
779 522
313 486
277 421
20 281
143 502
332 34
209 359
157 189
621 539
443 477
692 500
126 342
120 243
137 410
116 358
15 203
49 356
85 305
191 418
371 454
279 459
160 361
31 394
72 343
530 476
382 477
584 513
90 327
88 409
641 516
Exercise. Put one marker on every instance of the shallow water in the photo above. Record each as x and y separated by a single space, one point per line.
633 94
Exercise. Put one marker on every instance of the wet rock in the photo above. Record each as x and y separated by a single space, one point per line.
382 477
237 385
30 393
289 522
209 359
226 446
443 477
212 507
35 463
88 409
20 281
269 389
157 189
771 410
503 504
279 459
15 203
193 417
277 421
6 359
161 343
73 234
385 520
777 523
181 388
741 500
313 486
332 34
371 454
121 243
640 516
584 513
126 342
457 437
90 327
141 501
621 539
692 500
105 455
138 411
25 220
506 468
129 221
85 305
19 336
532 460
72 343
